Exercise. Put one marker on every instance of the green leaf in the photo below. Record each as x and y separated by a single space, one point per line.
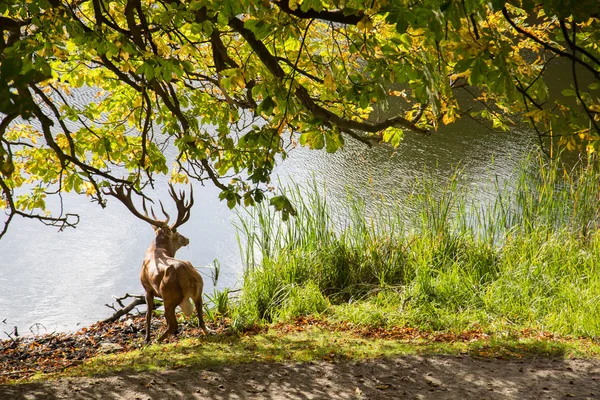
283 204
10 68
167 73
393 136
478 72
497 4
313 139
222 19
266 106
398 17
207 28
334 141
107 145
149 72
259 27
248 199
365 100
311 4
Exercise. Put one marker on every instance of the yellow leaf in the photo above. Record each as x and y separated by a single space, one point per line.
127 66
537 115
448 118
329 82
89 188
583 134
365 24
595 107
239 80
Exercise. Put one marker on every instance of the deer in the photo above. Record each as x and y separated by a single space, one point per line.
174 281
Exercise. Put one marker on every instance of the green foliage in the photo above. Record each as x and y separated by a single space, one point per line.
227 84
218 305
381 309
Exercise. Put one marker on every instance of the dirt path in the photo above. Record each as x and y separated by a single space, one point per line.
394 378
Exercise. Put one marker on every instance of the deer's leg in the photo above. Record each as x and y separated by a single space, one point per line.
150 306
171 320
199 310
172 296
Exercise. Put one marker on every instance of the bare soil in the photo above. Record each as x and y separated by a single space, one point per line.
413 377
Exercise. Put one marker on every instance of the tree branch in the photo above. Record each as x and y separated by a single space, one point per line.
332 16
302 94
137 301
572 44
300 71
576 84
547 46
64 222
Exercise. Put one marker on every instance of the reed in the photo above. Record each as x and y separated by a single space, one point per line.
527 259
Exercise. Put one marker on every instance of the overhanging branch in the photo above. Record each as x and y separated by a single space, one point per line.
66 221
548 46
302 94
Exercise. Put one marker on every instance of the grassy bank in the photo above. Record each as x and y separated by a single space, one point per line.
527 259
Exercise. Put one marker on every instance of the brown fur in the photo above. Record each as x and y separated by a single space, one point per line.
173 280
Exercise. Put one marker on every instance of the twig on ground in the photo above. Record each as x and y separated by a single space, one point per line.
137 300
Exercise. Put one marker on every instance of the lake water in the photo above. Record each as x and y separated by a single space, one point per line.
52 281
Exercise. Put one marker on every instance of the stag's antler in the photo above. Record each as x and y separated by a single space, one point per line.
183 208
123 193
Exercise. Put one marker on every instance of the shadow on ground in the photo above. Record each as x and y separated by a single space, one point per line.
426 377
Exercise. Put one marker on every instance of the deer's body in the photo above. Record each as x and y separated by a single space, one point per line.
175 281
162 275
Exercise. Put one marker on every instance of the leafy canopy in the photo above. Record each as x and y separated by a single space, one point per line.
94 92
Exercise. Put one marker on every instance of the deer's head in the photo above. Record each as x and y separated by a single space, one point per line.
166 235
170 239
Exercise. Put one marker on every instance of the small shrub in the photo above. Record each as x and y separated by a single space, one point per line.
302 300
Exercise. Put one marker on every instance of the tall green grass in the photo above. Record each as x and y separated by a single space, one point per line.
529 258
